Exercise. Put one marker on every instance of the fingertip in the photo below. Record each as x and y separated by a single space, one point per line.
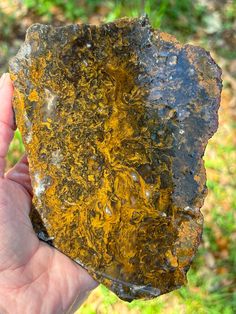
6 94
8 83
8 78
5 81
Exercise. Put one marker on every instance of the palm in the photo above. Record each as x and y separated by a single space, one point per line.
29 268
15 226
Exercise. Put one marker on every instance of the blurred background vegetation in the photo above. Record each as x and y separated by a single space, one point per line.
212 25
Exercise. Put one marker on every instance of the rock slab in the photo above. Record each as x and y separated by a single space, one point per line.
115 120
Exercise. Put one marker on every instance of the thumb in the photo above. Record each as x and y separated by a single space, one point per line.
6 119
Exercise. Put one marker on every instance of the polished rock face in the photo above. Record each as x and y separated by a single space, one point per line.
115 120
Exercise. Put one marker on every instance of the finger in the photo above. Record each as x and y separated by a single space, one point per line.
6 119
20 174
6 93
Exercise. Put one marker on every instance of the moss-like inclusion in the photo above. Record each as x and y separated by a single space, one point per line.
115 120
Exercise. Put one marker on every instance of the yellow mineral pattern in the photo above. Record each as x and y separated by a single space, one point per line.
115 119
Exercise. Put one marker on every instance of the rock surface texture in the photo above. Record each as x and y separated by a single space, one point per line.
115 120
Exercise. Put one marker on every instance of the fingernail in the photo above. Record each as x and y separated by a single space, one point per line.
2 79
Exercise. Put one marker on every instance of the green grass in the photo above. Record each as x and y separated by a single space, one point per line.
211 290
16 149
183 17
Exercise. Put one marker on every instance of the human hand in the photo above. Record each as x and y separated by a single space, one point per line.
34 277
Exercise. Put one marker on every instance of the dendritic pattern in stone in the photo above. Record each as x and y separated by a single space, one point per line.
115 120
